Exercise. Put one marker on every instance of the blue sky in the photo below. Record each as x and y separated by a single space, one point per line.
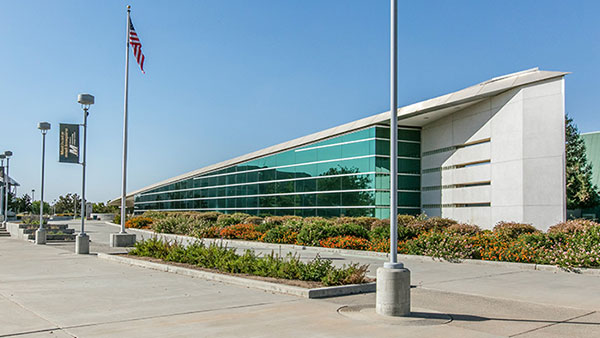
224 78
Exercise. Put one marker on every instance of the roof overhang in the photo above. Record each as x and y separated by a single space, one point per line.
411 115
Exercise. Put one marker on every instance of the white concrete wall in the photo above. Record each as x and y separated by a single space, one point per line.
525 127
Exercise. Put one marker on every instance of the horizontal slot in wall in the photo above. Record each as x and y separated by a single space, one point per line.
455 147
456 166
457 205
455 186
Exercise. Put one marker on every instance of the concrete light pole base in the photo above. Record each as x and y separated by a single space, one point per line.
122 240
393 292
40 236
82 244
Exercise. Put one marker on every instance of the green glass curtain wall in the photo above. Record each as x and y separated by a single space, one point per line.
346 175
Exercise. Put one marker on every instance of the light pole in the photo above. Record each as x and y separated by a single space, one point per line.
2 157
393 280
8 154
32 197
40 234
82 241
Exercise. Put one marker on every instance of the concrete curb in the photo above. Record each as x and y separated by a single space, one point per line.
360 253
332 291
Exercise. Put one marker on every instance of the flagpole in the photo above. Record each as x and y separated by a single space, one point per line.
124 171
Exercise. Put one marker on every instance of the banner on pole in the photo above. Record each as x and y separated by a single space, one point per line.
68 143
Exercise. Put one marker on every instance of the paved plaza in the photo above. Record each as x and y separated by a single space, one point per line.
48 291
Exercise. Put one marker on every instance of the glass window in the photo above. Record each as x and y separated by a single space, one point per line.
358 149
306 156
355 182
329 199
329 183
358 198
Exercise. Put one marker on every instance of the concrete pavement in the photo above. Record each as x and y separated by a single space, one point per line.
48 291
500 281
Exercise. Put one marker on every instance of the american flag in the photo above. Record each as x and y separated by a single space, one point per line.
136 45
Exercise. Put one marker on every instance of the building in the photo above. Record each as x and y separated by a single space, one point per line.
592 153
487 153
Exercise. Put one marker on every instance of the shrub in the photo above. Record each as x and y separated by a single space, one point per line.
155 215
241 231
173 225
345 242
439 244
280 220
207 231
351 229
139 222
312 233
313 219
280 234
380 223
253 220
576 225
463 229
383 232
405 220
117 219
513 229
231 219
365 222
226 260
209 216
429 224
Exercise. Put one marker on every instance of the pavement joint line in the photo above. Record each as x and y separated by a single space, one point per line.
33 331
502 298
566 321
77 326
476 277
30 311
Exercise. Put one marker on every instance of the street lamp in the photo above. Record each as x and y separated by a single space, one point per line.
32 196
40 234
82 241
2 157
8 154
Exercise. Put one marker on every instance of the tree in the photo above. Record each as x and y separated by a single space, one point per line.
35 206
581 193
68 203
23 203
102 208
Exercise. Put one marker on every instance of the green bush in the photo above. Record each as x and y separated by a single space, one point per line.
253 220
225 259
571 226
155 215
312 233
174 225
365 222
230 219
280 234
383 232
463 229
513 229
434 223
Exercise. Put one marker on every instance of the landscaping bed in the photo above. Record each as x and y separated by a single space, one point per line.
571 244
317 272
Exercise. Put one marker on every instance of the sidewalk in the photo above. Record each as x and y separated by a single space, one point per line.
49 291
